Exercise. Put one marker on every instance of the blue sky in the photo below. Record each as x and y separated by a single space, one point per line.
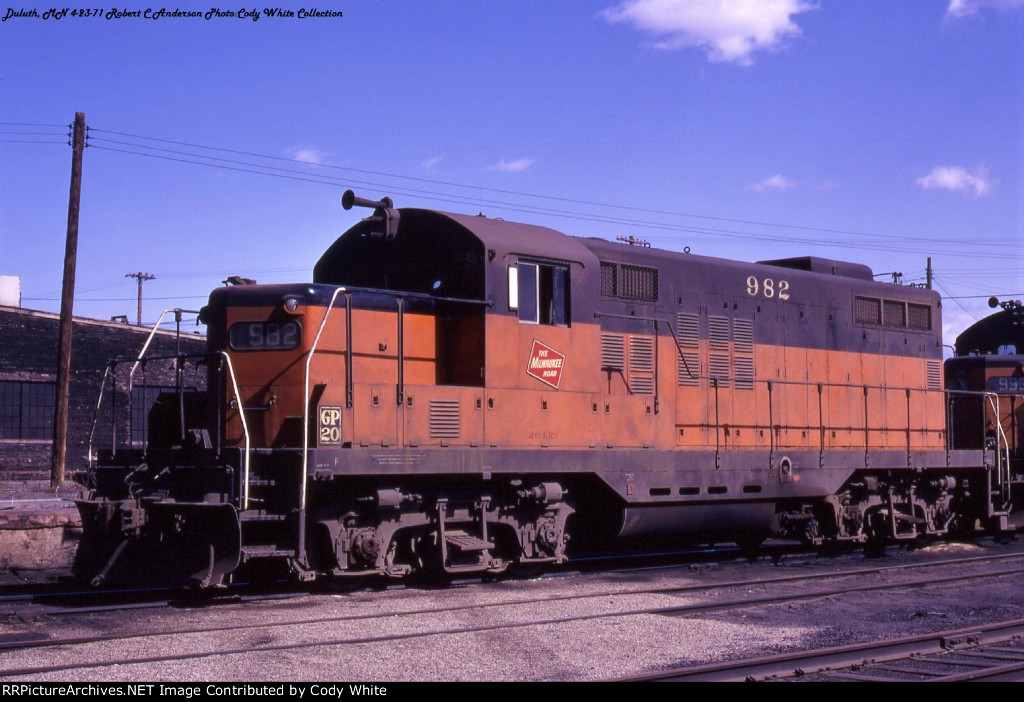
877 132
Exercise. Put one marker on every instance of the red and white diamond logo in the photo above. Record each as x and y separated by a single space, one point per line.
545 364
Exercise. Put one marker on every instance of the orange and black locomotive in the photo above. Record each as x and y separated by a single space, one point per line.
457 394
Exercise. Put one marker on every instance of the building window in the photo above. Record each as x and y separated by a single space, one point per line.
539 293
26 410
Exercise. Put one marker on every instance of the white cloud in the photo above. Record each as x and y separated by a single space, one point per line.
967 8
955 321
314 157
520 164
957 179
776 183
728 30
429 163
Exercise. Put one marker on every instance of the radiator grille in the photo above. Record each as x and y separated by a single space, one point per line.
895 313
934 375
609 278
638 282
867 310
919 317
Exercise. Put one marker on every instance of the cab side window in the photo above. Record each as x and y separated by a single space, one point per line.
539 292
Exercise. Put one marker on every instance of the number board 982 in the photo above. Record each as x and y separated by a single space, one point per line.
264 336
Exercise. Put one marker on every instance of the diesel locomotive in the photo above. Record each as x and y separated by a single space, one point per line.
457 394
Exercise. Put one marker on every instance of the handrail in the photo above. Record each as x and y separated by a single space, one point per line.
149 339
245 429
112 363
671 331
96 412
305 423
305 410
993 401
1002 442
235 390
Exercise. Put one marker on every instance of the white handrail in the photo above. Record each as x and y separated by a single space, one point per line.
145 346
131 374
305 412
245 430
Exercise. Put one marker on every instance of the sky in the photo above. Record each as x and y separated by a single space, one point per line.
868 131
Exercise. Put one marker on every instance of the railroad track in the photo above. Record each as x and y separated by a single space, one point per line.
507 616
989 652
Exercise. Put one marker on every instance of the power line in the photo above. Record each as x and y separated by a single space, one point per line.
474 189
30 124
258 169
949 296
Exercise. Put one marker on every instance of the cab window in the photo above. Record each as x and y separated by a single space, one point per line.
539 293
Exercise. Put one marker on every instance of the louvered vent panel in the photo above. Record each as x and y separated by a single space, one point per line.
641 354
718 333
718 366
687 330
742 336
445 419
641 365
688 362
688 369
934 375
743 375
642 385
613 352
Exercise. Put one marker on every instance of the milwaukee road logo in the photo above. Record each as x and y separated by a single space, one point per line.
545 364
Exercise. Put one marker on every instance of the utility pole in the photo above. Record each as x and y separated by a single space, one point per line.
928 274
67 301
140 277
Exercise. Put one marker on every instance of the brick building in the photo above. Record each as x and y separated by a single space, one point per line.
28 375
